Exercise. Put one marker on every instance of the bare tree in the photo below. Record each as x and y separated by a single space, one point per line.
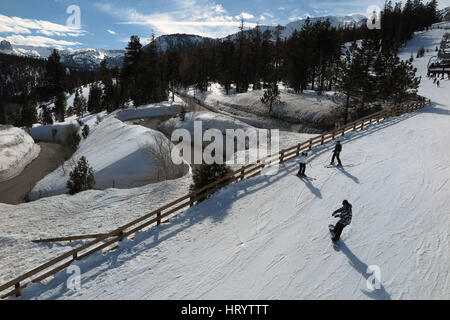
161 151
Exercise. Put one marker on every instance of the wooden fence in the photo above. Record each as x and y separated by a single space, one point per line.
161 215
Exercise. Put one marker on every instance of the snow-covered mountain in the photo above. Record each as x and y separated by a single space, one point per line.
83 58
181 41
445 14
341 21
189 41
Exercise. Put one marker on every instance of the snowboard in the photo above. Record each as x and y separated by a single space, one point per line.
335 243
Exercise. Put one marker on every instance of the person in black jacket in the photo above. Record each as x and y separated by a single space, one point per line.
336 152
346 219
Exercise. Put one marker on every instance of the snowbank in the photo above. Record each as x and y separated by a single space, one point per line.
17 150
123 162
164 109
307 108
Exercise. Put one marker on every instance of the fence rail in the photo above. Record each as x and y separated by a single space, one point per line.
171 209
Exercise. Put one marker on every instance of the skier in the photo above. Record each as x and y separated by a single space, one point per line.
437 83
346 218
302 162
336 152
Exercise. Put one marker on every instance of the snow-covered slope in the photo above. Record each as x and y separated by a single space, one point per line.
124 160
17 150
307 108
267 237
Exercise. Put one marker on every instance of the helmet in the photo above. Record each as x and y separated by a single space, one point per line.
345 203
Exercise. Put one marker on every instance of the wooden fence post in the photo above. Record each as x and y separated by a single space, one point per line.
321 141
282 156
158 217
242 174
310 144
18 291
298 149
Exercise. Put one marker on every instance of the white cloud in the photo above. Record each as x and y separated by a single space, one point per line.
39 41
111 32
19 25
202 17
245 16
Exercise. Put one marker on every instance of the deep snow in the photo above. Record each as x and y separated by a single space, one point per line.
124 160
267 237
17 150
307 108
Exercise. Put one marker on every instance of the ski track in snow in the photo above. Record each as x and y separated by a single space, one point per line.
267 237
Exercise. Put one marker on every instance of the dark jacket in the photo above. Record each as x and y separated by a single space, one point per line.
345 214
338 148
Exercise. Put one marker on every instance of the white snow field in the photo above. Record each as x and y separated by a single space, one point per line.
124 160
17 150
267 237
307 107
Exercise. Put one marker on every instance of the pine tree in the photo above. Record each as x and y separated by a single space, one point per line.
29 114
54 78
94 104
60 106
3 119
107 99
79 104
85 131
208 173
130 69
46 115
81 177
225 64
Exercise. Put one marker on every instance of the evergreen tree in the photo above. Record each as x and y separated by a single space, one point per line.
29 114
94 104
46 115
79 104
85 131
208 173
225 64
130 69
54 78
3 119
60 106
107 99
151 85
81 177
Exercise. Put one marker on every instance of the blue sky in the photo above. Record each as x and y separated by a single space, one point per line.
109 23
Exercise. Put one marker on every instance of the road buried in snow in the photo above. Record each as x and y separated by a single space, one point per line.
14 191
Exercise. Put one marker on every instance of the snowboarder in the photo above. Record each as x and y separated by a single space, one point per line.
336 152
345 219
302 162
